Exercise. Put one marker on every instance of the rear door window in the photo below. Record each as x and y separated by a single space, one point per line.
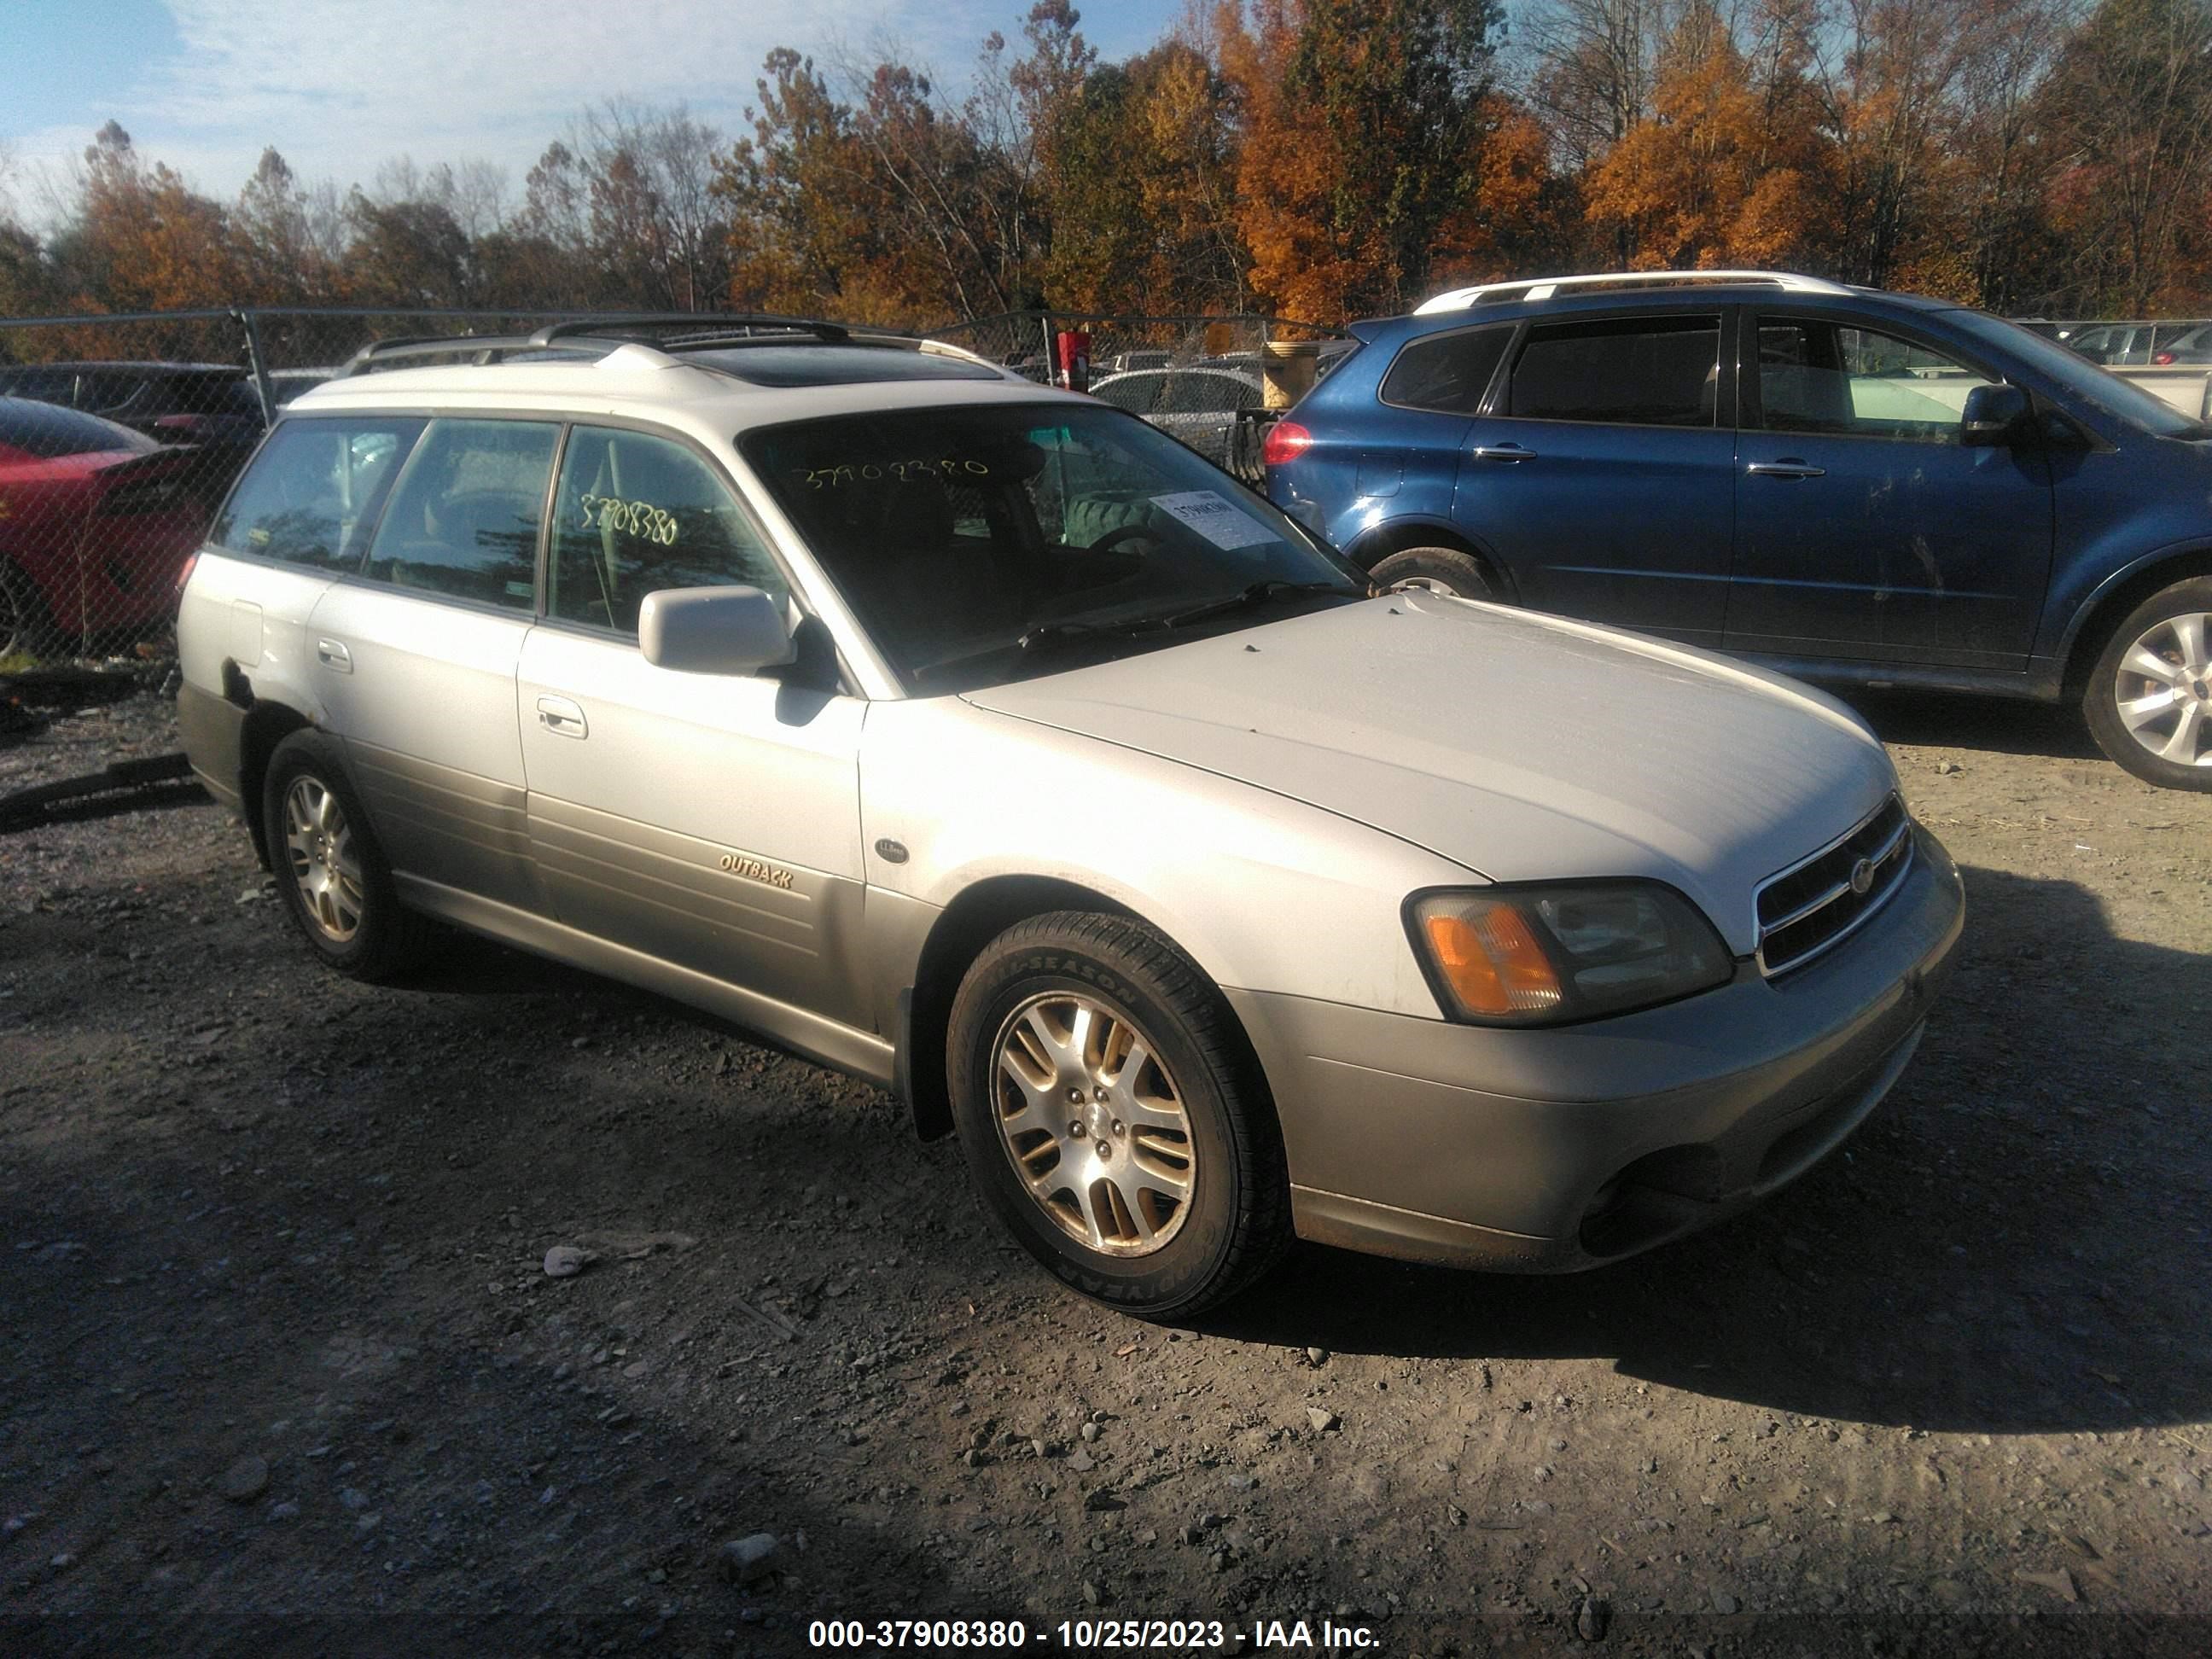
464 518
1642 371
313 492
635 514
1447 373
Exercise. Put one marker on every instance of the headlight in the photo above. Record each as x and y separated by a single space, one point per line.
1547 955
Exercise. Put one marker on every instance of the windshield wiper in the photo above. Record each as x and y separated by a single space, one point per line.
1258 594
1064 633
1069 633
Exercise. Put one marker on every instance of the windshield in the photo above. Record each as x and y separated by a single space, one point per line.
2107 391
979 544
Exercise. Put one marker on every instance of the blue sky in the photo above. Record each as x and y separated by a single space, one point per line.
342 85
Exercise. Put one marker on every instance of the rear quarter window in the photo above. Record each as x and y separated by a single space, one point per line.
312 493
1447 373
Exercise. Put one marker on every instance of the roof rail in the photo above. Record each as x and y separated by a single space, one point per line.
1544 288
486 349
708 326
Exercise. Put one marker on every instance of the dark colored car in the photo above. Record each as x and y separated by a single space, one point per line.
212 404
96 522
1848 485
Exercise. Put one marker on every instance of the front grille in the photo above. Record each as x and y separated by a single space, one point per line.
1811 907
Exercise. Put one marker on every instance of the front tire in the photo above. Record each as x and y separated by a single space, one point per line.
1113 1117
330 873
1437 570
2149 699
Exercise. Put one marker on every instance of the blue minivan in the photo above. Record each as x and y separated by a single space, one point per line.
1852 486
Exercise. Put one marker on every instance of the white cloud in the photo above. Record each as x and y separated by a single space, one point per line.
340 87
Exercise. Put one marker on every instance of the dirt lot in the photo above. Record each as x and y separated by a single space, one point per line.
281 1368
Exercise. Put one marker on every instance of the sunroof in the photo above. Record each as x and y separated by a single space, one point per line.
836 365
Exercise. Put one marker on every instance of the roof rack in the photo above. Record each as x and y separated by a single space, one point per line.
1544 288
485 348
701 332
710 327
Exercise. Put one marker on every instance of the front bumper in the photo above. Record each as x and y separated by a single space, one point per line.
1545 1151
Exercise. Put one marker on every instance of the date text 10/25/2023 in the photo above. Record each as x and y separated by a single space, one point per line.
1088 1635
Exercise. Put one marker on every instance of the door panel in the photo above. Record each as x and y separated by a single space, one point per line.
1864 530
710 821
422 694
1603 476
416 659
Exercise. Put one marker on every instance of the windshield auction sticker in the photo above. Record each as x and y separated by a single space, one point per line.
1214 517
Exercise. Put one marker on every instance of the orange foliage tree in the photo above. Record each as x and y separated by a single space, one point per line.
1362 133
1727 172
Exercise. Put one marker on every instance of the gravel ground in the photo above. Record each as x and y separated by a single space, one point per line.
282 1369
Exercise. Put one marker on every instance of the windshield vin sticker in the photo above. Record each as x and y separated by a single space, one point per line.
1214 517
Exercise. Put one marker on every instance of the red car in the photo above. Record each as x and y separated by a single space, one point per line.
96 522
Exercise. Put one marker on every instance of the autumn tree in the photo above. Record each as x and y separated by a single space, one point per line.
141 240
1727 170
1143 190
1591 65
2128 106
405 254
287 241
1361 135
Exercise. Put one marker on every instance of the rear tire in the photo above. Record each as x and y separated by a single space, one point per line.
2149 699
1438 570
1112 1117
330 873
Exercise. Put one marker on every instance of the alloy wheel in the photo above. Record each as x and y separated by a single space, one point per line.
1093 1124
2163 692
318 846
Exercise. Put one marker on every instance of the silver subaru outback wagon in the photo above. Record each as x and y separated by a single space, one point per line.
985 742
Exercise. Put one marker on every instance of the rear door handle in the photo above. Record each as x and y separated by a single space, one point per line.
561 717
1787 467
333 655
1502 453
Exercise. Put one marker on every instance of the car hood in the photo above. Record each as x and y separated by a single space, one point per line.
1524 747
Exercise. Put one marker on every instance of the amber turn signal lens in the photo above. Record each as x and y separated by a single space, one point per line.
1491 960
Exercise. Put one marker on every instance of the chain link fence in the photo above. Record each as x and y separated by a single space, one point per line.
120 436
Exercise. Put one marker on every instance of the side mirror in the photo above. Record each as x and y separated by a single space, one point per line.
1993 415
713 630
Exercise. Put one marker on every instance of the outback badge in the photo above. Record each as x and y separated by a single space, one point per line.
753 870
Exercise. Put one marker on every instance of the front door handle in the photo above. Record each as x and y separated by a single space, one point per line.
334 656
561 717
1502 453
1787 467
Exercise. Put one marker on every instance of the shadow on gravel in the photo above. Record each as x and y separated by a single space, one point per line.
2004 726
289 1218
2016 1242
